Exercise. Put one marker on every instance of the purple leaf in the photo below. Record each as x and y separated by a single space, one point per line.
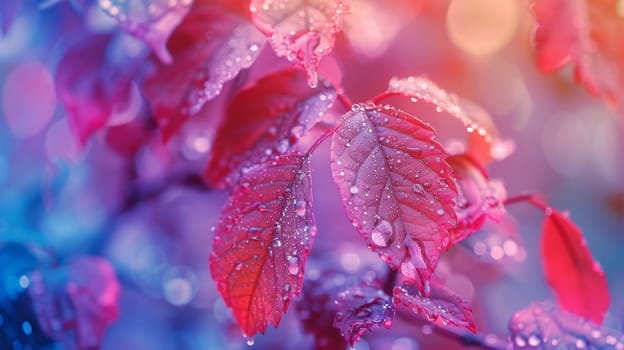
302 31
8 13
362 308
396 187
332 301
441 307
151 21
75 304
210 47
546 327
262 240
266 119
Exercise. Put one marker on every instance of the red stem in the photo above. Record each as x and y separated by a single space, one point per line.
384 95
533 199
345 101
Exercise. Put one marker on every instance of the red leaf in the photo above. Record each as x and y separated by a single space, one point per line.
479 197
586 34
91 86
210 47
577 279
396 187
441 307
302 31
262 241
152 22
544 326
266 119
362 308
484 143
77 303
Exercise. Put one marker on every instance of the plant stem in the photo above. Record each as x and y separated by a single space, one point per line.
384 95
345 101
533 199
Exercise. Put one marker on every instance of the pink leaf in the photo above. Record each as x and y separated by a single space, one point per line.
362 308
396 187
91 85
577 279
544 326
151 21
483 141
302 31
442 306
262 240
76 304
266 119
209 48
587 35
479 197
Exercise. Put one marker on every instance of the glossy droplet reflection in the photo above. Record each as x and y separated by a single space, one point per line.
382 234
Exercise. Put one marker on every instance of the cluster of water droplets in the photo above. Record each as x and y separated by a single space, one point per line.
362 308
420 88
441 306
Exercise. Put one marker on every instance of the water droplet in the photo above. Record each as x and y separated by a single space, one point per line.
293 265
418 189
534 340
580 343
250 341
354 189
440 211
520 341
382 233
300 208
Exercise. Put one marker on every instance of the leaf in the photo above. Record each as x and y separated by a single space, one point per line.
151 21
302 31
209 48
332 298
262 240
91 86
8 12
396 187
442 306
479 196
576 278
266 119
76 304
544 326
586 35
484 143
362 308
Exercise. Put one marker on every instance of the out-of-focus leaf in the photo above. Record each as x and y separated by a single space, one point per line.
262 240
265 120
210 47
587 35
152 21
91 86
303 30
76 304
546 327
396 186
576 278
